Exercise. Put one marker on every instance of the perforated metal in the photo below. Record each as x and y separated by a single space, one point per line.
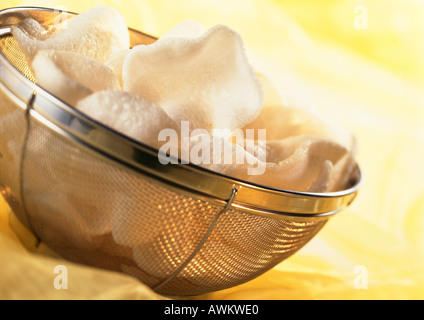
10 49
12 137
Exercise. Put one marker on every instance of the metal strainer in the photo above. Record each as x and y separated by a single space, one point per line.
99 198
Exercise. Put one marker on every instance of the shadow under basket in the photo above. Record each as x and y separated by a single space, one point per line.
98 198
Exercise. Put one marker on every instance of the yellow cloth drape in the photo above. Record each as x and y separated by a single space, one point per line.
370 80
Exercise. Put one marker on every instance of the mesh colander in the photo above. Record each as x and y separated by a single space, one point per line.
98 198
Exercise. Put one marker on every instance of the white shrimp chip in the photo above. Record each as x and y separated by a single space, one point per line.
71 76
302 163
323 180
129 114
98 33
282 121
33 29
308 159
185 29
216 153
116 62
207 80
342 173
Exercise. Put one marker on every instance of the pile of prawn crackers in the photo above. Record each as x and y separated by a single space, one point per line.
192 76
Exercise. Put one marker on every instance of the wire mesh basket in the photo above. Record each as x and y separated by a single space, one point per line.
98 198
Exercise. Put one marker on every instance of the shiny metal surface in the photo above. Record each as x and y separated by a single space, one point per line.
62 133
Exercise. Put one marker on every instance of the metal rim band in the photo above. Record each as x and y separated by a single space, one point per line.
188 179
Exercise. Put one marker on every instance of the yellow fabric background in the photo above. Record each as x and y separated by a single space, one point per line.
371 81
